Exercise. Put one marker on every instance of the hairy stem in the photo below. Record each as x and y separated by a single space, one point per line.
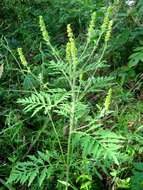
72 124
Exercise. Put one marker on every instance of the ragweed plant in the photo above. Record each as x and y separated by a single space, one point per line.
71 80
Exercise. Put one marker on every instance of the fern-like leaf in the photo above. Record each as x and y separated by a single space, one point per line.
43 101
103 146
37 168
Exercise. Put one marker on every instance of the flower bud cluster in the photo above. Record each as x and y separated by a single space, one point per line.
43 29
91 27
22 57
71 50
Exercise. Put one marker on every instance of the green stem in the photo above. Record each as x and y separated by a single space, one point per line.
72 124
57 136
90 80
94 49
56 55
89 58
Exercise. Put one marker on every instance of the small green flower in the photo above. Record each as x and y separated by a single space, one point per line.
68 52
108 100
109 30
69 32
22 57
105 24
43 29
71 50
91 27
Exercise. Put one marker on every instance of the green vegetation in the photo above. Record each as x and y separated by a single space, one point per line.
71 98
